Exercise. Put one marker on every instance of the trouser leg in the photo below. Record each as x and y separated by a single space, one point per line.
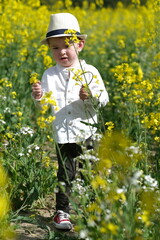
66 172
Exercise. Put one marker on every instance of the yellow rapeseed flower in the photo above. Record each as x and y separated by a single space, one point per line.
3 178
110 126
119 196
72 38
152 121
93 207
121 43
13 94
47 61
46 161
137 2
4 206
49 138
100 3
1 116
44 109
6 83
48 98
103 230
33 3
8 233
50 119
33 78
43 50
145 218
112 148
98 182
9 135
157 139
68 4
41 122
112 228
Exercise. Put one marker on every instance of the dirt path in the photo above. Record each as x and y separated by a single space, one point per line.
37 224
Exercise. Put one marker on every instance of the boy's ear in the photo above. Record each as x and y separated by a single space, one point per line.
81 45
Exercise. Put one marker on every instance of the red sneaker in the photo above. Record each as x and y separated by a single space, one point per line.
61 220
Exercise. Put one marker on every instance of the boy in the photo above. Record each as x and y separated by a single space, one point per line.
76 115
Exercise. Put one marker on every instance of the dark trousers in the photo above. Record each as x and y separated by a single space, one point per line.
66 154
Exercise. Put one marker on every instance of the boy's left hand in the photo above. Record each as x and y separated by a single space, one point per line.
83 94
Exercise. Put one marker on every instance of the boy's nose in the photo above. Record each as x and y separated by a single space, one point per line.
63 51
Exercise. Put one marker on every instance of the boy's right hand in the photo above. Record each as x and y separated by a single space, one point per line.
37 90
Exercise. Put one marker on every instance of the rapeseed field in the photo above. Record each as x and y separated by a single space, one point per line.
124 45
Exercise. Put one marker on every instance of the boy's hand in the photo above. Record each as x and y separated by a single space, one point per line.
37 90
83 94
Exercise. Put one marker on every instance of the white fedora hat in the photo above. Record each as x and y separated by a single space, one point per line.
59 23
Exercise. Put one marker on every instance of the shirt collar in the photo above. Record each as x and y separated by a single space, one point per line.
66 71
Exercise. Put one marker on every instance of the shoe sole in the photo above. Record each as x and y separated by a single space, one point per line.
64 226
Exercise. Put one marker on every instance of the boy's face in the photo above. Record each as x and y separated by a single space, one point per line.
63 54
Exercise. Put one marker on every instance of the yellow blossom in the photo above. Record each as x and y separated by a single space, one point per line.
6 83
44 109
73 37
33 78
43 49
9 135
33 3
49 138
98 182
46 160
41 122
3 177
120 196
4 206
145 218
103 229
48 98
44 122
152 121
14 94
112 228
121 43
137 2
157 139
110 126
1 116
100 2
94 207
113 149
68 3
79 77
47 61
50 119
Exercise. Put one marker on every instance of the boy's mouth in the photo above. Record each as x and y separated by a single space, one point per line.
63 58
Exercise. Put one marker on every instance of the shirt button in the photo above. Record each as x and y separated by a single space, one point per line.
69 112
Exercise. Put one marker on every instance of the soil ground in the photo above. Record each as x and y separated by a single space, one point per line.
36 224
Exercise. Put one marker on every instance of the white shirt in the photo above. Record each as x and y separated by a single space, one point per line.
69 125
